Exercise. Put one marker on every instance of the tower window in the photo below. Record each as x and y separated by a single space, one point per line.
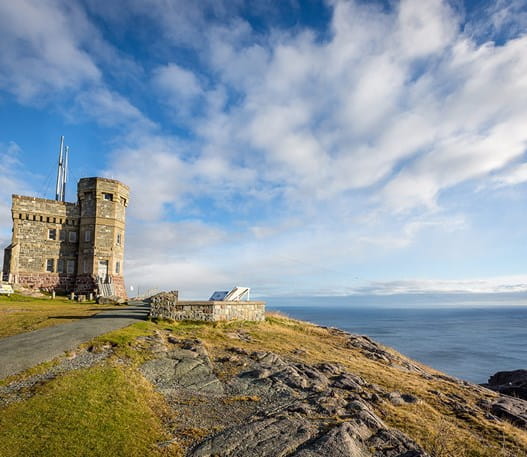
72 237
118 239
50 265
107 196
62 235
87 235
52 234
85 266
117 267
60 266
70 265
123 201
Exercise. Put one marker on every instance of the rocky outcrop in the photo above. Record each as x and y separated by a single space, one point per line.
512 404
513 383
186 366
271 406
512 409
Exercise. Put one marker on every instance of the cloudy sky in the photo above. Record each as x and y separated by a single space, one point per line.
298 147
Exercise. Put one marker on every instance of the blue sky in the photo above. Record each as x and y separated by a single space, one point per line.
297 147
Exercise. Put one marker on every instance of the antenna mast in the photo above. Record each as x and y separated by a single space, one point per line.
65 172
62 171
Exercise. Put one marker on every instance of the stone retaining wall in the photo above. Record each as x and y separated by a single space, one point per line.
236 310
167 306
162 305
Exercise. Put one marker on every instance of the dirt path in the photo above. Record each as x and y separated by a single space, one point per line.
25 350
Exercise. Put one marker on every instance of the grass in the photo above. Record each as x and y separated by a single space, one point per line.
20 314
124 341
105 411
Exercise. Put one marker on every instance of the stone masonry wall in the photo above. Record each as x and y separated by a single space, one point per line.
85 284
47 281
245 311
119 287
102 205
33 218
167 306
162 305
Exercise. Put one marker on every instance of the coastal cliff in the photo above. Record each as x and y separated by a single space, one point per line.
288 388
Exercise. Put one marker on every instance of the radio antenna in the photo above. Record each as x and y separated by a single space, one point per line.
65 172
62 171
58 193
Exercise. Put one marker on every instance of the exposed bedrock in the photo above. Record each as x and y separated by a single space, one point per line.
273 406
513 383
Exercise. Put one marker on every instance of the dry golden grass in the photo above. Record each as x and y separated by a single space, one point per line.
432 422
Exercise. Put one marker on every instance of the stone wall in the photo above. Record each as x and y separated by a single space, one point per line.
119 287
34 220
163 305
103 205
239 310
46 281
85 284
167 306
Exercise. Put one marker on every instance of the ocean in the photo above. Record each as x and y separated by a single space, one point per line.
466 336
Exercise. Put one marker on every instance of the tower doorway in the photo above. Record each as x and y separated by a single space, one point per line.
102 271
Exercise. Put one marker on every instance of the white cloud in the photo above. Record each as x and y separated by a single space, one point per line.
13 180
179 83
109 108
425 27
512 176
502 284
155 239
41 51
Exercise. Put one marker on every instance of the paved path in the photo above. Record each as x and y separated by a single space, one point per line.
25 350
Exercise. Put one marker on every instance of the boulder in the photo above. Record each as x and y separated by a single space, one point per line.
512 409
513 383
111 300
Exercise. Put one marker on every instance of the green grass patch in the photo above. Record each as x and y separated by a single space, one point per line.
127 335
19 313
124 341
105 411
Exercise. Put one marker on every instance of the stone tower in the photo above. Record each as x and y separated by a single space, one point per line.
102 207
70 247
